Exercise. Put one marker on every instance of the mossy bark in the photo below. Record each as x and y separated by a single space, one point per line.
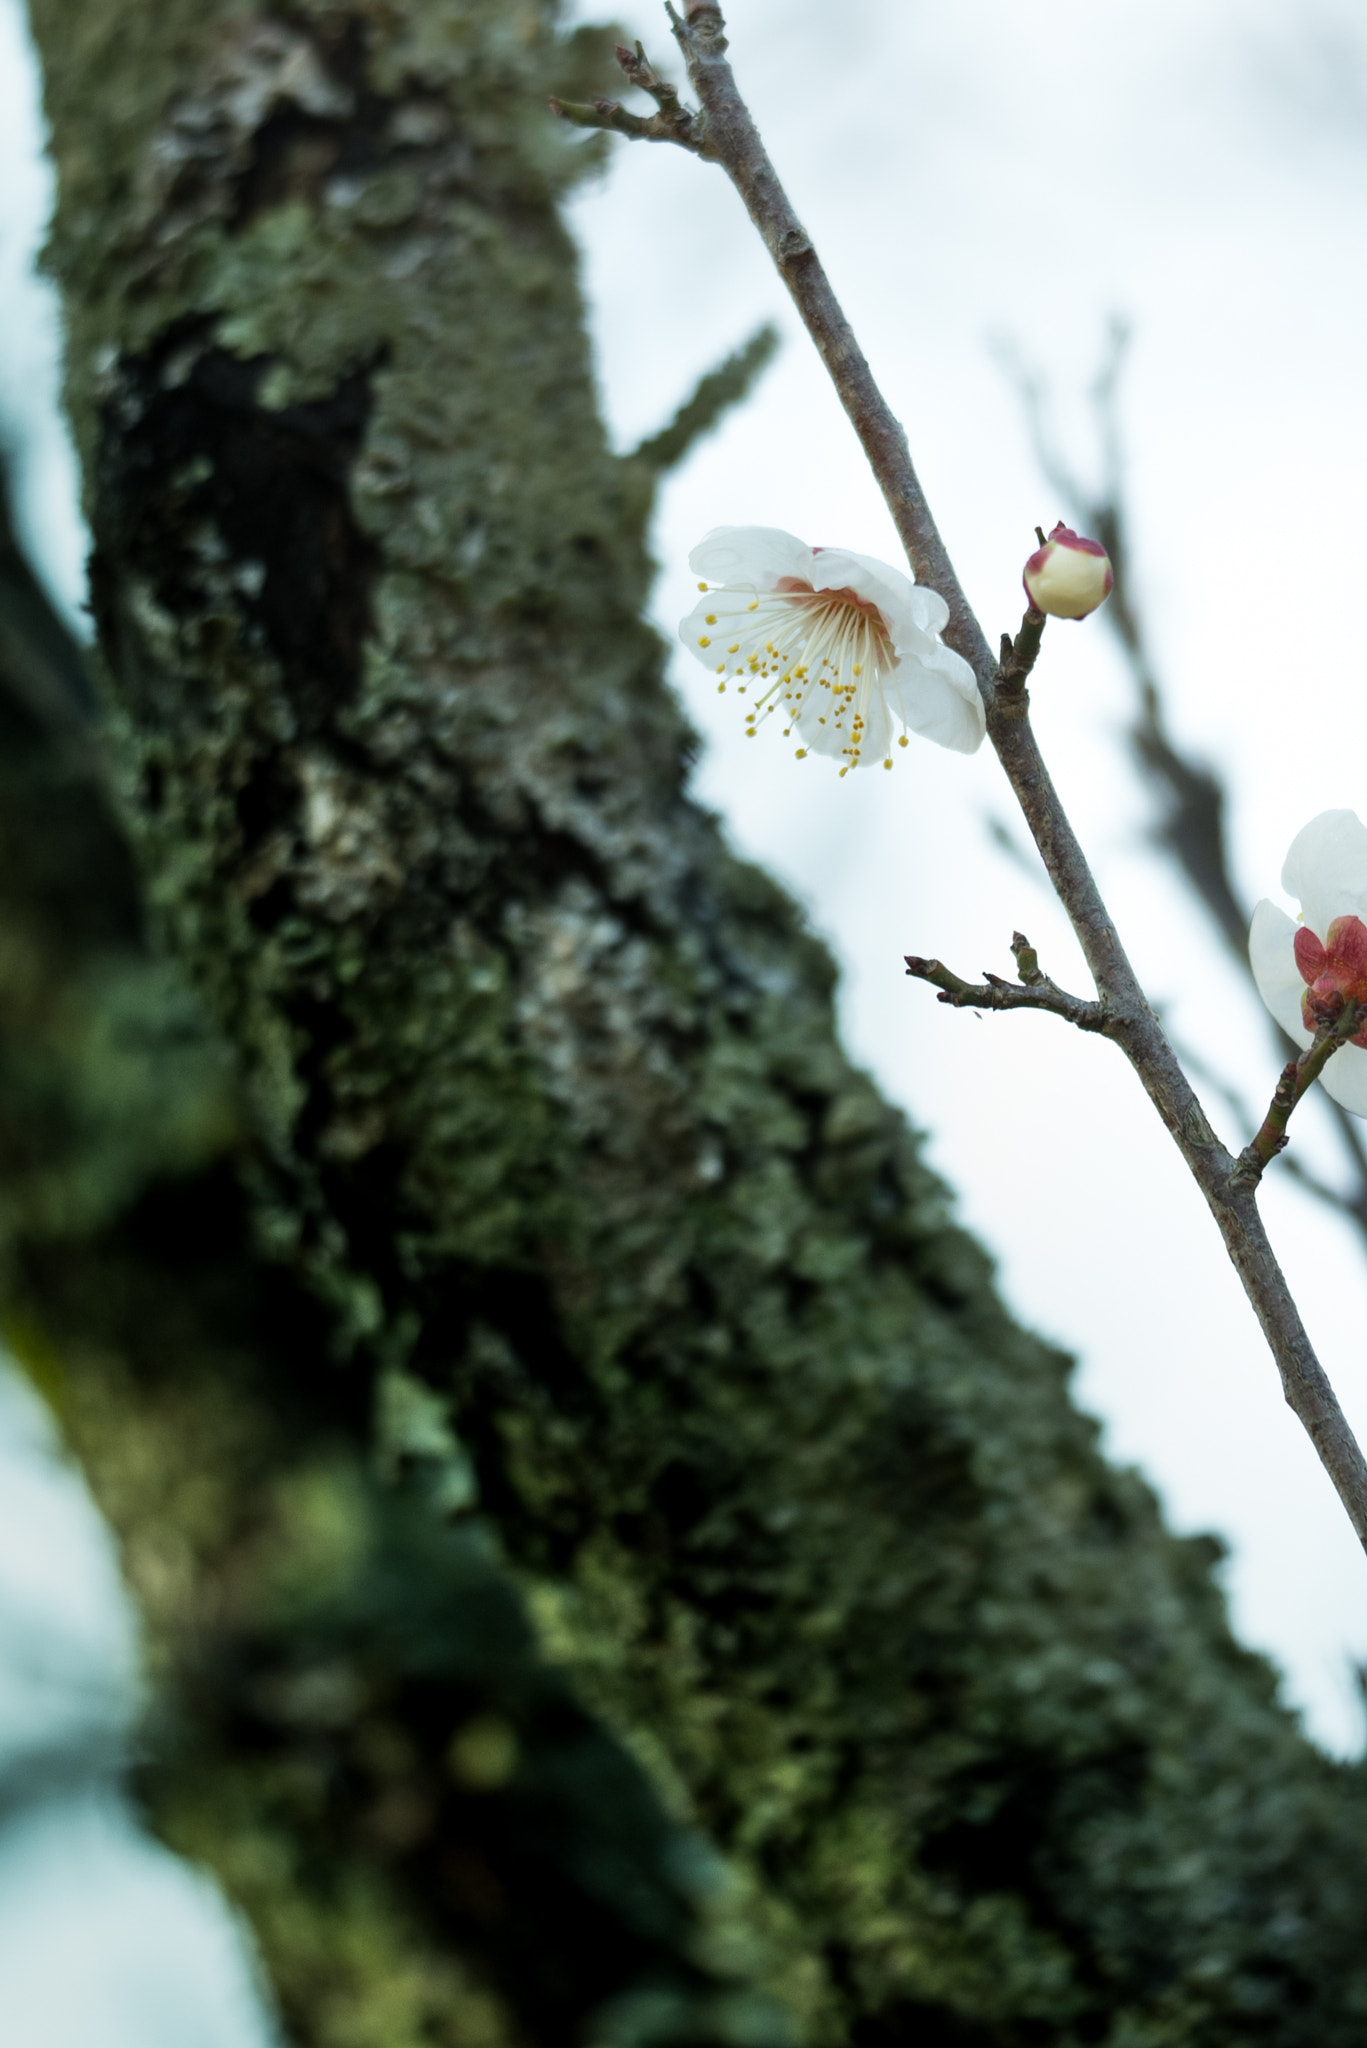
586 1278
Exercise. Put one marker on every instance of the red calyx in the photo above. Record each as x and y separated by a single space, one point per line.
1335 970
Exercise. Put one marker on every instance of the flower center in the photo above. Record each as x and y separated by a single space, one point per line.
1335 971
833 608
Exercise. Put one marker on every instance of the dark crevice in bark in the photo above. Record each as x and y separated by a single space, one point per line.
197 476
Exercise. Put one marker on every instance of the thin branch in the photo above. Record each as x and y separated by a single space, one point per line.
714 395
732 140
1340 1023
1020 655
1192 828
1296 1169
614 117
673 122
1034 990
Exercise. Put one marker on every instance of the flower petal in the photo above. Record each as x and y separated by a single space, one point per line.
726 628
843 569
874 738
1272 956
937 695
817 727
908 607
1345 1078
752 557
1326 869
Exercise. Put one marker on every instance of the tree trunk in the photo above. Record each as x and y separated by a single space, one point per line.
588 1438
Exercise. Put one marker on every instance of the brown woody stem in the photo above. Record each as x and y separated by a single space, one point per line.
1296 1076
1034 991
725 133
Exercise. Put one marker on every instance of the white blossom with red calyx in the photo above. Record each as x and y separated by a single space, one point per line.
836 645
1306 969
1068 577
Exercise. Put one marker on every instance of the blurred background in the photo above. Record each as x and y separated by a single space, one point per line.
990 190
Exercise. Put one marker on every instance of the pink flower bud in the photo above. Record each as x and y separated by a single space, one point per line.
1068 577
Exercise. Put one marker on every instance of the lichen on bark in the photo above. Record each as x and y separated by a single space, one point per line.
590 1281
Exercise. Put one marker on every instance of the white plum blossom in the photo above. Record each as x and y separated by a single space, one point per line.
835 644
1068 576
1304 968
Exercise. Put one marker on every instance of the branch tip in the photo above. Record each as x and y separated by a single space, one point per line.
712 397
1026 959
994 993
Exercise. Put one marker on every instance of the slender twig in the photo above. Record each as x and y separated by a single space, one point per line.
1236 1104
613 116
1192 827
1034 990
1338 1025
733 141
713 397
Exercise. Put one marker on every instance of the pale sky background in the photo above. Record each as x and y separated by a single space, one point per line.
106 1940
986 169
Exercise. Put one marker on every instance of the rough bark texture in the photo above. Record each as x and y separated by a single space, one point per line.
589 1436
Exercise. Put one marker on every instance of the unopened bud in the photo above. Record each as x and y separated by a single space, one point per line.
1068 577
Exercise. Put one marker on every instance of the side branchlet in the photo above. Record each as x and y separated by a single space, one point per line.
672 122
1340 1022
1034 990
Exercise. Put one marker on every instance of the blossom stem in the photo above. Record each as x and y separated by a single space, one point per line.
724 132
1296 1076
